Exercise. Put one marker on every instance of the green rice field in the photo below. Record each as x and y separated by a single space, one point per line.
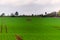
30 28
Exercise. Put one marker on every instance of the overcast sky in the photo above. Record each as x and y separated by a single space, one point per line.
10 6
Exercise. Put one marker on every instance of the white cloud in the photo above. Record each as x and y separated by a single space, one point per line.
55 1
52 5
42 2
22 2
15 2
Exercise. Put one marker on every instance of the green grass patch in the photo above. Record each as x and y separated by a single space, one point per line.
36 28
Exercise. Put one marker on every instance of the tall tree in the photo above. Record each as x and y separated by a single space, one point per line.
45 13
12 15
3 14
16 13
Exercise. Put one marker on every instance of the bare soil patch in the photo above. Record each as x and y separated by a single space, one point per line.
18 37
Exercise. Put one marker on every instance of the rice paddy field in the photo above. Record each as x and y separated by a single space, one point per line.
30 28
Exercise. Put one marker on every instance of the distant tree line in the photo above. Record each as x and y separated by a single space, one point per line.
16 14
12 14
52 14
